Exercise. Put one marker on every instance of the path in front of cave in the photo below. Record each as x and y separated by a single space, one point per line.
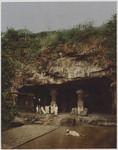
96 137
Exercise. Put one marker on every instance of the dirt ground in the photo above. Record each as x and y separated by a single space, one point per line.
96 137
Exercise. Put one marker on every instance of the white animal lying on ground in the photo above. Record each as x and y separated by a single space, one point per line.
73 133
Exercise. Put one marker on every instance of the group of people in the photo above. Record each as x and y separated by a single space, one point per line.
40 109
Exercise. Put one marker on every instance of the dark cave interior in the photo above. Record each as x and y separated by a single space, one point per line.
99 98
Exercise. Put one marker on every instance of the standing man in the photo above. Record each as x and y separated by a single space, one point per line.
36 103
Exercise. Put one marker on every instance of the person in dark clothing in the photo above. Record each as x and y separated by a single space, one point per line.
36 103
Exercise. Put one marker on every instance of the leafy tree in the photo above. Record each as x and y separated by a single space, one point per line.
111 40
9 109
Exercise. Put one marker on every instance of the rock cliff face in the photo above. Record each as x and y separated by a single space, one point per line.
62 64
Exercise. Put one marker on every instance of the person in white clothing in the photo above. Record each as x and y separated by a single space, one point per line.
47 109
42 109
37 109
52 109
56 109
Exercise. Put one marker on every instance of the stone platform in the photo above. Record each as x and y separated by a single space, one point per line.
17 136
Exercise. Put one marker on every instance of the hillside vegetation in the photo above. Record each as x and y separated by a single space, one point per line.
20 42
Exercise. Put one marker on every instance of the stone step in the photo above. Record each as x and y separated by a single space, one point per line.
17 136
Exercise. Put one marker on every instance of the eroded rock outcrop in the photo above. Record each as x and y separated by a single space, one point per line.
62 64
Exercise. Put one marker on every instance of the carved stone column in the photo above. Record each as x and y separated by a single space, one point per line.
80 102
53 94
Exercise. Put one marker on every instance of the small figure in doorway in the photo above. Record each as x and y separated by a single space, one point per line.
43 111
37 104
47 109
54 108
37 109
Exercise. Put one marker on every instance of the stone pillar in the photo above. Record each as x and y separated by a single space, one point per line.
80 102
53 94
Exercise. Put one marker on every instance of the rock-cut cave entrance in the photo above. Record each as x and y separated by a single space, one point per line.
98 99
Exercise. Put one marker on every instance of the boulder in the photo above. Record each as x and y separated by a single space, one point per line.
68 122
17 122
29 119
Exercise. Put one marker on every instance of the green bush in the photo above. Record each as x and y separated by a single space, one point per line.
111 40
9 108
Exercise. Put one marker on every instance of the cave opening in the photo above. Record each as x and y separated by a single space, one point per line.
99 99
